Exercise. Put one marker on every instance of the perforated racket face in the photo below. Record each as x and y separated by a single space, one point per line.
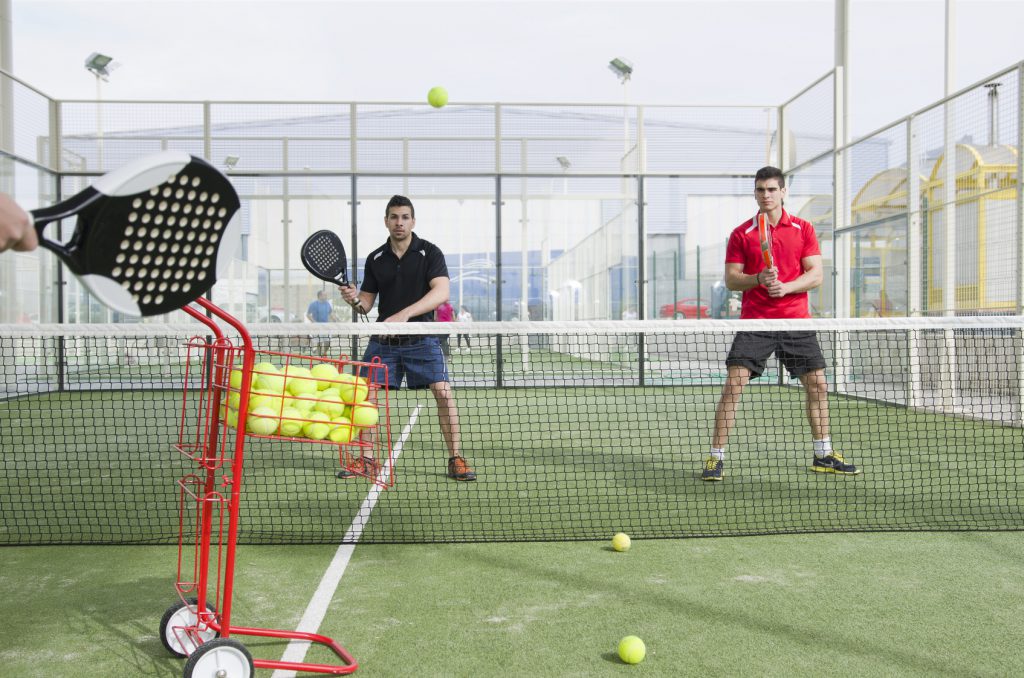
161 245
323 255
149 235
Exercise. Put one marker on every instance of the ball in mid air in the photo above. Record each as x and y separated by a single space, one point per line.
632 650
437 97
621 542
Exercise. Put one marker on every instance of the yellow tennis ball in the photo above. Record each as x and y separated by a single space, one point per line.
235 380
318 427
262 421
365 415
632 650
300 381
291 422
356 391
325 374
330 405
304 404
343 431
437 96
261 397
621 542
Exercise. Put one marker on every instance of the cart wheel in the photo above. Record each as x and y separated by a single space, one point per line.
220 658
178 616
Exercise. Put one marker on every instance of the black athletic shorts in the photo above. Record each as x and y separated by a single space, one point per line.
798 351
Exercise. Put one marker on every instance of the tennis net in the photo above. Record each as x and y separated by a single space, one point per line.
575 431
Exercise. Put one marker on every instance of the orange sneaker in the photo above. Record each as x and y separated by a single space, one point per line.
363 466
458 469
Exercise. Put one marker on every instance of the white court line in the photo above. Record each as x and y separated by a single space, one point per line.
317 608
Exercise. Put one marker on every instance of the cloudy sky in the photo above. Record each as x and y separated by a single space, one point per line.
758 52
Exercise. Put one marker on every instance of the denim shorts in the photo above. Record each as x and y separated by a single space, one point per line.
418 360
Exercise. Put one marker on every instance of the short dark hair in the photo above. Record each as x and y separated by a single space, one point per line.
399 201
769 172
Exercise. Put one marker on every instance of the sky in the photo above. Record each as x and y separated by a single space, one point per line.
755 52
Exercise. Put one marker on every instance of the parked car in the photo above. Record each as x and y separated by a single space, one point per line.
685 308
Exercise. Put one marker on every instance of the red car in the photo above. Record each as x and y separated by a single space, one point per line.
685 308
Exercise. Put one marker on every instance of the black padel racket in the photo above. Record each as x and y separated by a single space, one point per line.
323 255
149 236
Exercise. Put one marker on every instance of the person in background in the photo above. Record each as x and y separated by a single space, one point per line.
320 311
464 317
445 314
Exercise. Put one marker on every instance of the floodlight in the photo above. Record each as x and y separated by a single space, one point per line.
231 161
100 65
564 162
622 68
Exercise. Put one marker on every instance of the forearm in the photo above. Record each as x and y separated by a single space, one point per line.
808 281
738 281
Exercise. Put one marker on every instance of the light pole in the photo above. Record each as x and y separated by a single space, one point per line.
101 66
623 70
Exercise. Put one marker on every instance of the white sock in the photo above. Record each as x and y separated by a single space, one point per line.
718 452
823 447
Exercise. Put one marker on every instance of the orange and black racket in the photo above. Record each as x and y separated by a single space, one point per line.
765 234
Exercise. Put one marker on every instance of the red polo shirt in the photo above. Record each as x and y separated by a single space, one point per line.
792 239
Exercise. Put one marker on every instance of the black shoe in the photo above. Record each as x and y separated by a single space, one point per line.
458 469
834 463
713 469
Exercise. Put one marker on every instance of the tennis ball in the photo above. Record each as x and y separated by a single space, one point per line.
317 428
232 418
343 431
300 381
261 397
303 405
330 405
632 650
356 391
235 380
264 369
325 374
365 415
291 424
437 96
262 421
621 542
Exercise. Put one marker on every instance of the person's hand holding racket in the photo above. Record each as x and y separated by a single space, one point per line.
323 255
16 231
769 275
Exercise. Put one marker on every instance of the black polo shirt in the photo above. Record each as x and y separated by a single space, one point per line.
399 283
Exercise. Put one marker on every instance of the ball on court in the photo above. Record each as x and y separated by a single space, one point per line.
325 374
632 650
262 421
437 96
291 424
365 415
621 542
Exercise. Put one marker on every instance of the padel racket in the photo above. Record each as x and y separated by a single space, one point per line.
149 236
764 233
323 255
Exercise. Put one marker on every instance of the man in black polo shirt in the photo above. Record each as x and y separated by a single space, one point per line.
411 277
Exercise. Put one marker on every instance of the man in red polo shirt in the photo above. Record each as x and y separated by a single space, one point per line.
779 292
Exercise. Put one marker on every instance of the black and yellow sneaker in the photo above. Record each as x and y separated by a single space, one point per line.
713 469
834 463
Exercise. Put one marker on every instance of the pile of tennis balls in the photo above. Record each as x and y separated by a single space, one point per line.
318 403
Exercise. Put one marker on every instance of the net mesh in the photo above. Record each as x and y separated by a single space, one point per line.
575 431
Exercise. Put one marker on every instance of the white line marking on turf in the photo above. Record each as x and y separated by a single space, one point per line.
317 608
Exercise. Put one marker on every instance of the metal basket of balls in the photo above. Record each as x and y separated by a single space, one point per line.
285 396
